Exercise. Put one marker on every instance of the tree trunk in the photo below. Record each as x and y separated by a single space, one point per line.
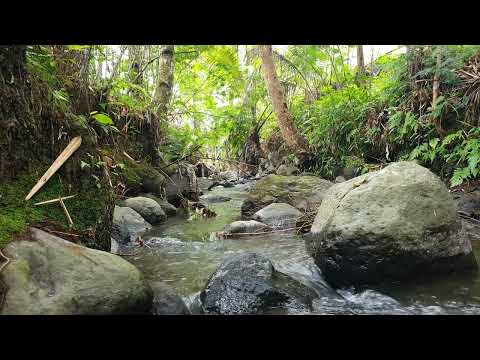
436 89
361 61
290 134
162 96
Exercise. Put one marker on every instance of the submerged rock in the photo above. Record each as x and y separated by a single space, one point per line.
278 215
149 209
127 225
247 226
247 283
213 198
302 192
166 301
51 276
393 224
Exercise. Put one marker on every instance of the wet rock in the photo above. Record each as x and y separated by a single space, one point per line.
204 184
213 198
287 170
127 225
247 283
468 203
278 215
203 170
393 224
149 209
51 276
247 226
183 183
302 192
194 304
166 301
229 175
168 208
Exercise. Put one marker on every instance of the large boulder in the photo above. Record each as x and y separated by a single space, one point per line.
149 209
153 183
468 205
302 192
182 184
278 215
229 175
166 301
168 208
247 283
246 226
127 225
202 170
393 224
48 275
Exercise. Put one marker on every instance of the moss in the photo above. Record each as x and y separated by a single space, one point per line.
89 209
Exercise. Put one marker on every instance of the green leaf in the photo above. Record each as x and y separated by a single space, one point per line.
433 143
103 119
77 47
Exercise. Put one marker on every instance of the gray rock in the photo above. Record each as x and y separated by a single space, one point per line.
153 184
127 225
339 179
302 192
168 208
166 301
287 170
51 276
247 283
229 175
394 224
213 198
149 209
278 215
182 183
204 183
246 226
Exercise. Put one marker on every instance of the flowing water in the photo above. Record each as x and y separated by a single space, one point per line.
185 252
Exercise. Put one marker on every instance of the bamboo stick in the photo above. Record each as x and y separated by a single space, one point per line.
66 212
64 156
54 200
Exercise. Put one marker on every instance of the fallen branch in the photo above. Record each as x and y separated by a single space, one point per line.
66 212
61 159
63 233
129 157
6 263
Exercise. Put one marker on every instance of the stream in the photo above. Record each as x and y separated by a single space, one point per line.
184 253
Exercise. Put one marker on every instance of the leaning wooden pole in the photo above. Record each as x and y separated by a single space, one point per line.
64 156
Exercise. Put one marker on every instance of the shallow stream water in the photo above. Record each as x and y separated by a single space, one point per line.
184 253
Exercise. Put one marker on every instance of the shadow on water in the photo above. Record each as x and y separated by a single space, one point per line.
184 253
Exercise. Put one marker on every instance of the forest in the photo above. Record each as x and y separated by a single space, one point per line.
239 179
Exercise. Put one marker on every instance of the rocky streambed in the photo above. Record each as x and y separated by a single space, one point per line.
390 242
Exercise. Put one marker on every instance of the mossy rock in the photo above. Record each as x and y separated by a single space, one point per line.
302 192
91 209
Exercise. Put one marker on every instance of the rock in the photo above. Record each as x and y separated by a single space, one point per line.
248 226
167 208
153 184
287 170
203 170
340 179
247 283
303 192
194 304
229 175
393 224
350 172
212 198
127 225
278 215
166 301
183 183
149 209
51 276
468 203
204 184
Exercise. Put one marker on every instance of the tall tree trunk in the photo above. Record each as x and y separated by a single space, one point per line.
437 121
360 60
162 97
290 134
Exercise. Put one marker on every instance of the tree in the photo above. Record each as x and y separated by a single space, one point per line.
162 97
290 134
